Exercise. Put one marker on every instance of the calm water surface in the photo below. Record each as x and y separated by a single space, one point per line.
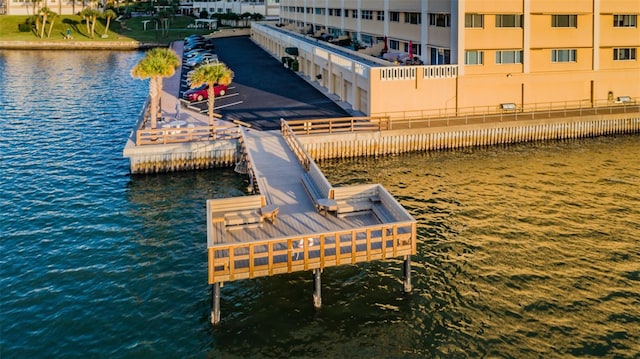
525 251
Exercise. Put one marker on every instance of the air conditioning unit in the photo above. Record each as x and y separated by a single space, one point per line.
508 106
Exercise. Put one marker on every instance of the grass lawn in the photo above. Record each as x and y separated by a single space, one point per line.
133 32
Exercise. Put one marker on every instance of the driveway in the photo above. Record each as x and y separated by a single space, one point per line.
266 91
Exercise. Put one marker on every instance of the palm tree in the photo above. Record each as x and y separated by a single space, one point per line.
44 13
211 74
108 14
157 63
52 18
86 14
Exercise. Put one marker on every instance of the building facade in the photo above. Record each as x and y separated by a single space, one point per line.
522 52
269 8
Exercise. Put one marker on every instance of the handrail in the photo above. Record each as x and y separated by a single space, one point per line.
230 261
439 117
341 124
422 119
295 145
157 136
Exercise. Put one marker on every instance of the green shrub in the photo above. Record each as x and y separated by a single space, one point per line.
24 27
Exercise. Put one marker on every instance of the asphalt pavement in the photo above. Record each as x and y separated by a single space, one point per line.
263 90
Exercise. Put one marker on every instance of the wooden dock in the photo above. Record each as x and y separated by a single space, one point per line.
297 221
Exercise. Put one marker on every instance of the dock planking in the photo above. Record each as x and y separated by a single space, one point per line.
366 224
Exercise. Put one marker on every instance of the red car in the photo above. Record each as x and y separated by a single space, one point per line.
202 92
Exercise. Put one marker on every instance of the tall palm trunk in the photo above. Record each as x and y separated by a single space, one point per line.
53 19
210 102
153 93
44 24
159 85
86 20
94 19
106 29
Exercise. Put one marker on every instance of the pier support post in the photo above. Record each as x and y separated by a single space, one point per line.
215 303
317 295
406 272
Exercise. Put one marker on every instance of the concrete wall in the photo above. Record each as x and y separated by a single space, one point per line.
349 145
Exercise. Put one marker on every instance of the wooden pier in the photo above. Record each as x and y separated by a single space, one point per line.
297 221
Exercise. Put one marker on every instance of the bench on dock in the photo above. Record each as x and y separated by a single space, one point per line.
319 190
238 212
269 210
355 199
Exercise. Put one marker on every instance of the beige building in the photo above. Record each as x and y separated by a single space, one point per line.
478 55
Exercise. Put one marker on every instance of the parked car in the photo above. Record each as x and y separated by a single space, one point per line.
194 37
201 93
201 59
192 53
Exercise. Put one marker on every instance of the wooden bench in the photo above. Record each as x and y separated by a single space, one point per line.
269 210
352 199
321 197
238 212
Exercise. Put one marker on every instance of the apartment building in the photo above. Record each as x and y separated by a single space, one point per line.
522 52
270 9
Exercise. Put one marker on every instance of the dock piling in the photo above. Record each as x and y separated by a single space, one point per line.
317 295
215 303
406 272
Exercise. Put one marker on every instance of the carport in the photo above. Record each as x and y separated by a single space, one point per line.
208 23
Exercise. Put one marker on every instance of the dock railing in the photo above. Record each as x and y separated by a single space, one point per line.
161 136
295 145
232 261
339 125
499 113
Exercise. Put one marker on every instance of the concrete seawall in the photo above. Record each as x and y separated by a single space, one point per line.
182 156
77 45
356 144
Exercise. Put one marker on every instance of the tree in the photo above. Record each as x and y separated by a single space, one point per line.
211 74
86 14
44 14
155 65
94 18
108 14
52 19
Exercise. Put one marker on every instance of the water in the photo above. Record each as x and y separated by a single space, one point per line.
524 251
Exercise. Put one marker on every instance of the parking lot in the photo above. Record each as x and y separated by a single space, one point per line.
262 91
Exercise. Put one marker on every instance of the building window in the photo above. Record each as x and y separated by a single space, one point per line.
319 11
440 56
394 44
624 54
509 57
354 13
346 12
473 57
564 55
380 15
338 12
394 16
508 20
440 20
415 49
564 20
367 14
625 20
473 20
412 18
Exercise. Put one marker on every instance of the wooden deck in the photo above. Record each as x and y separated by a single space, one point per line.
366 224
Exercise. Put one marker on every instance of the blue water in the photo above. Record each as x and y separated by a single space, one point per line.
529 250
